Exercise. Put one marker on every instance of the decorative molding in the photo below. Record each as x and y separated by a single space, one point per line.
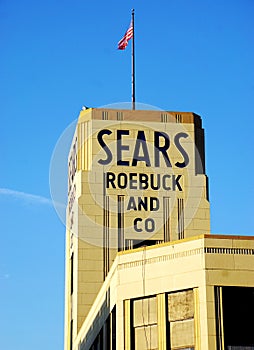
196 251
161 258
239 251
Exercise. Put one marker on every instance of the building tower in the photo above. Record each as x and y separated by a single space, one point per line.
136 178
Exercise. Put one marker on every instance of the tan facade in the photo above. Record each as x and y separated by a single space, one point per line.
135 178
197 293
142 270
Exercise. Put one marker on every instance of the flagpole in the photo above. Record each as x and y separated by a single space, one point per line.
133 97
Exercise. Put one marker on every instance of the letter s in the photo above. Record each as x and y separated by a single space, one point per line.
104 146
181 150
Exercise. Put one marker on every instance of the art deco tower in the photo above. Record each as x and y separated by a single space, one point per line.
136 178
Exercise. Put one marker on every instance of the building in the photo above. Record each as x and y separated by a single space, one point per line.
197 293
142 271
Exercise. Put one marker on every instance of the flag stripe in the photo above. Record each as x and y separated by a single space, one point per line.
127 36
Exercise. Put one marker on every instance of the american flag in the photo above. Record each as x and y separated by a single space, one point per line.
127 36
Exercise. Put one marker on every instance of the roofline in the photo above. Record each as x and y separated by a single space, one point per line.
188 239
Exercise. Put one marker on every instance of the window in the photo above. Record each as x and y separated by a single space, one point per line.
71 263
145 329
113 329
234 307
180 332
71 334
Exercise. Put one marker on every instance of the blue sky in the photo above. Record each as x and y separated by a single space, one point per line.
59 55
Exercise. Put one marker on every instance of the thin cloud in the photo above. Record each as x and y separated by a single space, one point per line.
5 276
28 197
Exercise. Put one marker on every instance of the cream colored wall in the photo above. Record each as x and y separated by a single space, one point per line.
178 266
67 308
85 221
